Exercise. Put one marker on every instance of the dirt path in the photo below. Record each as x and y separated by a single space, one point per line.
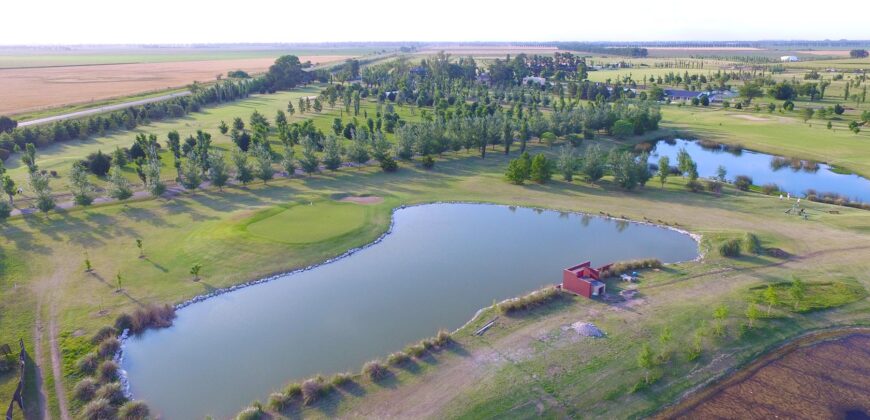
56 370
43 413
45 291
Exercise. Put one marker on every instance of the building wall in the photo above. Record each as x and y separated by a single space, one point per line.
571 283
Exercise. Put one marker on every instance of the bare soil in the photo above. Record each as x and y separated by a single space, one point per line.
371 199
40 88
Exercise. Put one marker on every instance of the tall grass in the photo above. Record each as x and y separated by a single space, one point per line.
532 300
153 316
620 267
730 248
85 390
751 244
134 410
375 370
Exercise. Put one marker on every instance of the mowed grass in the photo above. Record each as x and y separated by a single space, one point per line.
292 224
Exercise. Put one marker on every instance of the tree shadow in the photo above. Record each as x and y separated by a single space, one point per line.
156 265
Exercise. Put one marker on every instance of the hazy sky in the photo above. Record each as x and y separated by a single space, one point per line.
185 21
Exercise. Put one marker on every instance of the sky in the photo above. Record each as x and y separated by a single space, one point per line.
229 21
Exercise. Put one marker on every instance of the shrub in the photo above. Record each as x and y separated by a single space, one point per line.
98 163
112 392
428 162
769 188
134 410
618 268
124 322
109 347
278 401
714 186
743 182
85 390
694 186
442 338
575 139
751 244
88 363
541 169
99 409
104 333
293 390
108 371
388 164
427 343
152 316
730 248
416 350
340 379
374 370
398 358
250 413
312 390
5 210
529 301
4 154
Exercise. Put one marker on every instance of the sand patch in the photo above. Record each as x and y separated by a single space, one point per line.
750 118
366 200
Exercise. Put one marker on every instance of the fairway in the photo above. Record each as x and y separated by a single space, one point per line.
292 225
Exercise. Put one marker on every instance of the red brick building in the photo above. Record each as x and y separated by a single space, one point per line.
584 280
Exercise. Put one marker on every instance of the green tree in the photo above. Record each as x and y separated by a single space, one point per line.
218 171
9 188
244 173
309 162
153 182
358 151
720 313
288 160
190 174
263 162
721 172
518 170
80 185
195 270
119 185
567 162
28 158
645 360
593 163
807 113
541 169
752 313
797 291
290 109
141 246
750 91
223 127
771 298
664 169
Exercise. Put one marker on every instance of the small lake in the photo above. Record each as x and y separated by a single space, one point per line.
761 168
440 264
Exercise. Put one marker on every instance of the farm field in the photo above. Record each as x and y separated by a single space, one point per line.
33 89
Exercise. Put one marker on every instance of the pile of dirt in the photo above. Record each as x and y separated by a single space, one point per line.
778 253
587 329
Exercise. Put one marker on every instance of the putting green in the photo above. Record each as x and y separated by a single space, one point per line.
308 223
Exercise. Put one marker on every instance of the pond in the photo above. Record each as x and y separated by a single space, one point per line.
824 380
765 169
440 264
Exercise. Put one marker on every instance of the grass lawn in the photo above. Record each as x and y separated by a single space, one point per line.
292 224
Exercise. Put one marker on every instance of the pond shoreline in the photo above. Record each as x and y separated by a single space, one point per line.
125 335
697 395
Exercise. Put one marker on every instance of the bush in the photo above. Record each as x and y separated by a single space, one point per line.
250 413
112 392
743 182
374 370
730 248
134 410
751 244
398 358
618 268
5 210
388 164
340 379
694 186
107 371
103 334
575 139
312 390
279 401
529 301
85 390
769 188
416 350
109 347
152 316
428 162
98 163
4 154
541 169
124 322
88 363
293 390
443 338
99 409
714 186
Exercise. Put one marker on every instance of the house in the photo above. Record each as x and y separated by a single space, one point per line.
584 280
534 79
682 95
484 79
788 59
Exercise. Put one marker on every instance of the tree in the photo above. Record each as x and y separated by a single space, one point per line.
141 246
118 279
797 291
28 158
9 188
749 91
721 172
119 157
39 185
359 151
80 185
195 270
290 109
752 313
622 129
858 53
541 169
263 162
771 298
720 313
120 187
518 169
593 163
174 143
223 127
664 169
152 172
309 162
244 173
331 153
807 114
190 174
7 124
839 109
665 337
318 106
645 360
218 172
567 163
99 163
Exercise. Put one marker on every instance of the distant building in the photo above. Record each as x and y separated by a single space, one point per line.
484 79
682 95
534 79
788 58
584 280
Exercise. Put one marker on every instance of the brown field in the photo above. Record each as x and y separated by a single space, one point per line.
830 379
703 48
835 53
490 50
33 89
